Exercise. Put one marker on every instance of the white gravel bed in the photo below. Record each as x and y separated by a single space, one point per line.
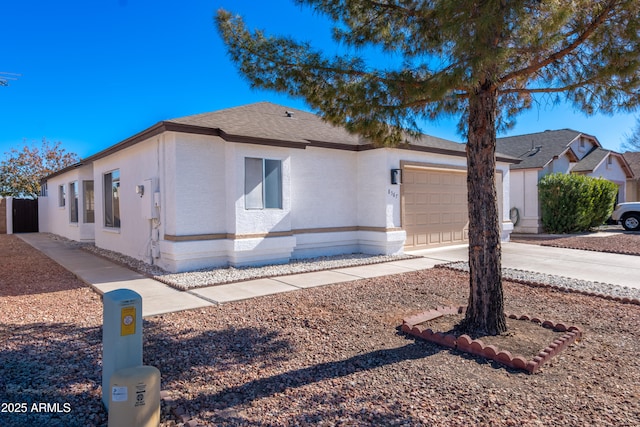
222 275
559 281
215 276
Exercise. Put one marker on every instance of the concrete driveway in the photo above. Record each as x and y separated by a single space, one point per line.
622 270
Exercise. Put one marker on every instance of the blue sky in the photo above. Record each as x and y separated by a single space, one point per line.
93 73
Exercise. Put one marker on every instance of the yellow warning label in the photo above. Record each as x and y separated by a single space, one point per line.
127 321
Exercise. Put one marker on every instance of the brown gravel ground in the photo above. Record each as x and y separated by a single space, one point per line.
620 243
328 356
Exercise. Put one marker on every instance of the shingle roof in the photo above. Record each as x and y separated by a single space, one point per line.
591 161
633 159
265 120
272 124
537 149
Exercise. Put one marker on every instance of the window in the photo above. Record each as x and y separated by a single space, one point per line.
262 183
73 205
62 196
112 199
44 190
88 208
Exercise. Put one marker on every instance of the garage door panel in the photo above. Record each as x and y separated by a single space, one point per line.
434 207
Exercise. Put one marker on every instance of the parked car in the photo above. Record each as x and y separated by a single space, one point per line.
627 214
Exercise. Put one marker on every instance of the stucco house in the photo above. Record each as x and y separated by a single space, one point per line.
262 183
633 184
564 151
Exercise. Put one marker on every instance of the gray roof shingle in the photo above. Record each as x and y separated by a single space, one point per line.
272 124
591 161
537 149
265 120
633 159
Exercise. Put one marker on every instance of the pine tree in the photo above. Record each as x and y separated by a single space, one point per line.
484 61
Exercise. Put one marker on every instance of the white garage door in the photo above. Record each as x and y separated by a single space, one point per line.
434 207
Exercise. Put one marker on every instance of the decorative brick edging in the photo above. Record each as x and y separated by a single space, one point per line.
178 411
623 300
466 344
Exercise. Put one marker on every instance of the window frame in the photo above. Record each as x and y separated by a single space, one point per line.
88 201
112 217
73 202
62 196
263 188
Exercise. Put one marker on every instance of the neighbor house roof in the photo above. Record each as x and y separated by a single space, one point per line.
595 157
591 161
633 159
266 123
536 150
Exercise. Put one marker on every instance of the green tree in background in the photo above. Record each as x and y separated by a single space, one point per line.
23 168
483 61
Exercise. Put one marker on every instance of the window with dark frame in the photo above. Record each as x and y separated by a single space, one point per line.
73 205
88 202
112 199
62 197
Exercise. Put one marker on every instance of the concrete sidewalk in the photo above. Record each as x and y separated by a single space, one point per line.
158 298
104 276
615 269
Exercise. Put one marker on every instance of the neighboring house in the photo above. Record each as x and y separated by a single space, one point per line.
564 151
633 185
262 183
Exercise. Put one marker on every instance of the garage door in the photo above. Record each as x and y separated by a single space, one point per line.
434 207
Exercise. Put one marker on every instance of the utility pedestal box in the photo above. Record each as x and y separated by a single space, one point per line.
134 395
121 335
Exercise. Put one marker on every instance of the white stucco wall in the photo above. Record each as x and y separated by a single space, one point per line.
56 219
333 201
324 183
199 184
524 197
582 146
9 213
136 164
257 221
613 172
560 165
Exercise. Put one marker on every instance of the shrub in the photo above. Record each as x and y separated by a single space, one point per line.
574 203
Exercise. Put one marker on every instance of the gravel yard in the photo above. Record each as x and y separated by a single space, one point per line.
328 356
615 242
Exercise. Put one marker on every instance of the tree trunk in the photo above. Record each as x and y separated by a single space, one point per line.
485 312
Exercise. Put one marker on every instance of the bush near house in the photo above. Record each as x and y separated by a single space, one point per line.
574 203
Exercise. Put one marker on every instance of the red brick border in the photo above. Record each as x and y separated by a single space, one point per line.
466 344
